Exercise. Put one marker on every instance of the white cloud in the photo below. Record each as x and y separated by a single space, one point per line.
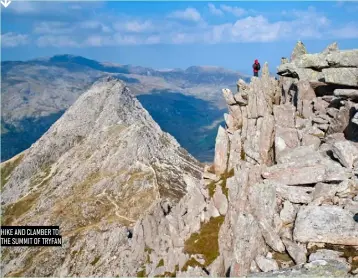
95 40
214 10
12 39
153 40
113 40
138 27
56 41
251 29
350 31
23 7
105 29
95 25
53 27
189 14
236 11
67 28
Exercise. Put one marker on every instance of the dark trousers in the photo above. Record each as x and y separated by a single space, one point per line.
256 74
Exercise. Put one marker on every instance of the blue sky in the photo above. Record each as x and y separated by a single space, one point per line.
175 34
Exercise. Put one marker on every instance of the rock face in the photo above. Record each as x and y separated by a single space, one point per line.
325 224
221 152
334 67
283 185
294 161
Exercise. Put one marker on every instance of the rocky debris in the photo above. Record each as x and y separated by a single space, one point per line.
266 264
210 176
296 251
220 200
347 93
339 59
221 152
325 224
248 243
333 67
319 268
288 213
296 195
346 152
325 191
306 172
331 48
298 51
355 118
326 254
229 98
262 198
340 122
341 76
285 115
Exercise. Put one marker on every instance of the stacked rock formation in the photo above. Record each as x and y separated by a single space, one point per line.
292 145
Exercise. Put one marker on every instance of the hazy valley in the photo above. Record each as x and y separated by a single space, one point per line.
186 103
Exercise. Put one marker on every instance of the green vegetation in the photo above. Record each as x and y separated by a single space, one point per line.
142 273
15 210
243 155
191 262
28 263
161 263
116 129
8 167
171 274
4 253
96 259
42 178
148 251
206 241
79 139
348 251
212 186
70 208
224 177
211 169
282 258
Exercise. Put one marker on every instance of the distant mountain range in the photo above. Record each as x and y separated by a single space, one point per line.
187 103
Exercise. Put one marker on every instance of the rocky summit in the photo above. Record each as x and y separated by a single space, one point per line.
94 173
279 200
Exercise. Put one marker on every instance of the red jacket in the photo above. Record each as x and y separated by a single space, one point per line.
256 66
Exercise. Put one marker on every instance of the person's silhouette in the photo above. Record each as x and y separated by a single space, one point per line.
256 67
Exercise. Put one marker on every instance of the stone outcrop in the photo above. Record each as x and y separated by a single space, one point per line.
295 168
333 66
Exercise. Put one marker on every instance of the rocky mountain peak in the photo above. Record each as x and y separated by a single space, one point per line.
298 50
105 154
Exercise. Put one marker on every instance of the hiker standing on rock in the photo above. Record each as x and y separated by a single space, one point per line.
256 67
